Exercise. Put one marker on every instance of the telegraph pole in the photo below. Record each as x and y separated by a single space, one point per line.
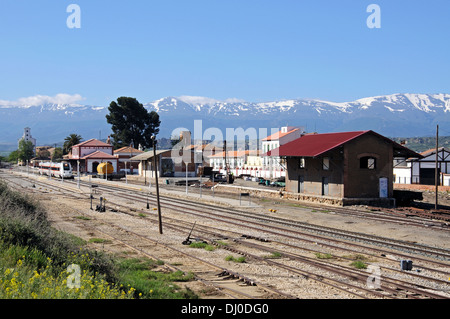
436 175
156 182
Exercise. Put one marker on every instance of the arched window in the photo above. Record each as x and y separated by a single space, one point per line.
368 162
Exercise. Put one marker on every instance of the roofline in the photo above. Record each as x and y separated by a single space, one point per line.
96 153
269 138
329 149
147 155
92 139
360 133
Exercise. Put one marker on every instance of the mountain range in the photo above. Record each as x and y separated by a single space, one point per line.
395 115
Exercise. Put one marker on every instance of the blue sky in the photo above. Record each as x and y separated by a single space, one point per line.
254 50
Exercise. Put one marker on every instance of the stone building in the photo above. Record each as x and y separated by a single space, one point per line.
346 167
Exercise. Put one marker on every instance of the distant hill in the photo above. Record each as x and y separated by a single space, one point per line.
421 144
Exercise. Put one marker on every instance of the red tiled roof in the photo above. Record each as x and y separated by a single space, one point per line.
93 143
433 151
278 135
99 155
317 144
128 149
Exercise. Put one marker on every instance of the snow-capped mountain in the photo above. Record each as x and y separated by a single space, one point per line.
51 120
392 115
428 103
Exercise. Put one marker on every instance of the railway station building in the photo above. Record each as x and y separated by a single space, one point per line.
89 154
341 168
124 155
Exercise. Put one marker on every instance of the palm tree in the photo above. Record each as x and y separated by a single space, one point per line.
69 141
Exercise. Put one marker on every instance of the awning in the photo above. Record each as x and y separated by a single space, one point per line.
147 155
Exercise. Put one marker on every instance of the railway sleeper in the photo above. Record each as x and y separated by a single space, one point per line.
232 275
265 240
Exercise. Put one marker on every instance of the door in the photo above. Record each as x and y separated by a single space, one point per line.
325 186
427 176
384 187
301 181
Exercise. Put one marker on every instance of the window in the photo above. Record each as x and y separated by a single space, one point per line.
326 163
301 163
367 162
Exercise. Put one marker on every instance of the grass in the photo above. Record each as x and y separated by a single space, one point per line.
323 256
236 260
99 241
140 274
36 261
200 244
359 261
83 218
221 243
274 255
320 210
359 264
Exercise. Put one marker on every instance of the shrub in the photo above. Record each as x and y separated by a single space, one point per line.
236 260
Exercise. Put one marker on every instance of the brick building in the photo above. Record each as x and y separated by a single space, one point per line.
349 167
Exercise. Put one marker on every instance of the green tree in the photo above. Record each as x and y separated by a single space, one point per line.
70 141
26 150
131 123
13 156
57 154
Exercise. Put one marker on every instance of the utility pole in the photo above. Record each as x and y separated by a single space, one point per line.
78 174
436 175
156 182
226 166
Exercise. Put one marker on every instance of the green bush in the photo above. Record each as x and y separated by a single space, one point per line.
34 258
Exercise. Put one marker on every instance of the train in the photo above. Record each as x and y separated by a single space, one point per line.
62 169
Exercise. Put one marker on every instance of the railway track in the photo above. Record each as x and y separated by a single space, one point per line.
402 290
402 216
391 288
231 284
234 215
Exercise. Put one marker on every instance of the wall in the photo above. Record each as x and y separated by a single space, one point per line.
88 150
90 162
313 173
363 182
402 175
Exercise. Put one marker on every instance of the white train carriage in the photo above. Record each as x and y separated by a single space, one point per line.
62 169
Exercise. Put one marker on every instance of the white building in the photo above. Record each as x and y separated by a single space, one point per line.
90 154
422 170
234 159
28 138
272 164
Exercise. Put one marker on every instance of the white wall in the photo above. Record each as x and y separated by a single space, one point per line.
402 175
90 162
